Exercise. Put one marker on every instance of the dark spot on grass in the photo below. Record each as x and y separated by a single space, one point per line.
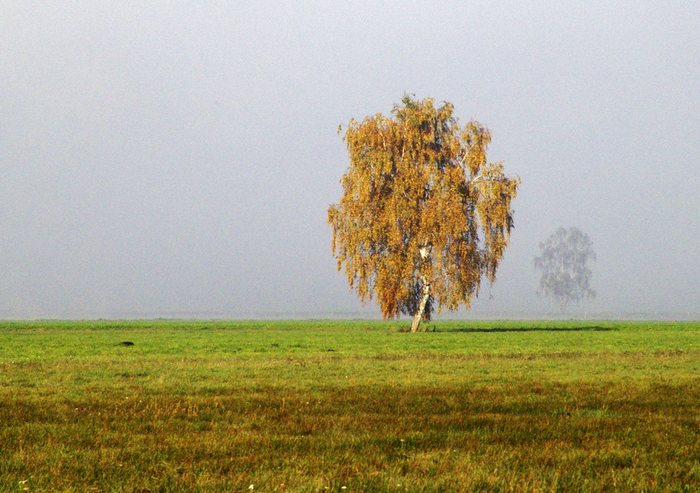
125 343
132 375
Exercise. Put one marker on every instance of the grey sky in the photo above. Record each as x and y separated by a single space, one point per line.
162 158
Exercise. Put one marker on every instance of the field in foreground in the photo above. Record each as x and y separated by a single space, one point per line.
349 406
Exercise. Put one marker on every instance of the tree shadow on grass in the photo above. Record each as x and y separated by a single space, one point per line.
592 328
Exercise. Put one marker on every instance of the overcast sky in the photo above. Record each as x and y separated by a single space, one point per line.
165 158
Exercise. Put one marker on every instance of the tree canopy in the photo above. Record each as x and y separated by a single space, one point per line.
563 261
423 216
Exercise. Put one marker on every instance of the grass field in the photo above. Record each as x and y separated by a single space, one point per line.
349 406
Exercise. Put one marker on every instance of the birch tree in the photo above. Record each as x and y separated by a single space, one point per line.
563 262
423 216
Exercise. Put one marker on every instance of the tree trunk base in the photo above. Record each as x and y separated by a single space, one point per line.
415 325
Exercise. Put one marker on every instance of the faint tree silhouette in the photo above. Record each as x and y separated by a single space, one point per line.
563 262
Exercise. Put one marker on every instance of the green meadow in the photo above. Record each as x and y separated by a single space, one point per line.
349 406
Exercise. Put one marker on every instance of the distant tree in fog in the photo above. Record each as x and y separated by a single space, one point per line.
563 262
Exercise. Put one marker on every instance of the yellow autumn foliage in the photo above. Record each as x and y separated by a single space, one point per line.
423 215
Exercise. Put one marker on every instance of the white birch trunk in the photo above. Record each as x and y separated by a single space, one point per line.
418 316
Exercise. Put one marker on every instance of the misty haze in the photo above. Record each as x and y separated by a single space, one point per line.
175 160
